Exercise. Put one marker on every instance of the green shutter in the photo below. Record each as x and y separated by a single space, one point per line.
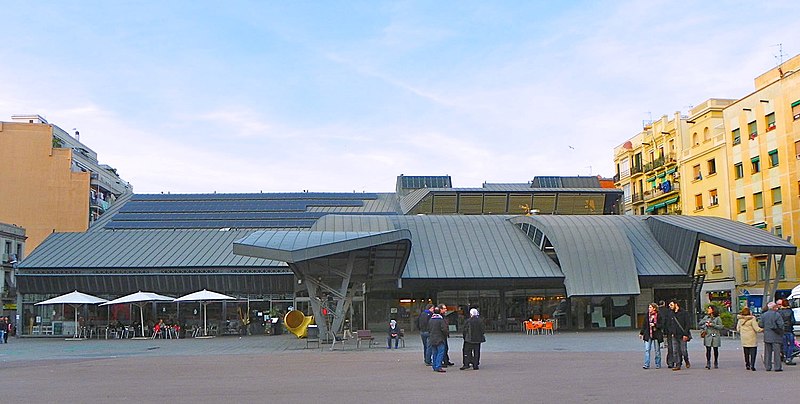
796 103
671 201
771 152
755 159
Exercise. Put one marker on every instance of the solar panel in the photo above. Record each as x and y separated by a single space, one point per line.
210 224
233 205
255 197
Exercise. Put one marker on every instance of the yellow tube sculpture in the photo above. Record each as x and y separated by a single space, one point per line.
297 323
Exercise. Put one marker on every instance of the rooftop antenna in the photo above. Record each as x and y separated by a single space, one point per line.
779 56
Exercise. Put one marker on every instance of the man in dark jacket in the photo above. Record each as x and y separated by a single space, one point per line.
473 337
679 331
772 323
422 325
446 357
666 316
788 331
438 334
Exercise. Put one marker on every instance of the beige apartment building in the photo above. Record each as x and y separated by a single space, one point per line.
706 192
51 181
763 130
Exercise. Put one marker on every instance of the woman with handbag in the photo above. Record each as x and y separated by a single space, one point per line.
652 335
711 326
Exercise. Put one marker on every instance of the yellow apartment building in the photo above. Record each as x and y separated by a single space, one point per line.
51 182
763 131
647 168
705 192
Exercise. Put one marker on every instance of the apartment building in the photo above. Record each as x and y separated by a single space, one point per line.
706 192
763 130
12 246
51 181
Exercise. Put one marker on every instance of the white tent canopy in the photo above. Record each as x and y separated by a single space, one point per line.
204 297
138 299
73 299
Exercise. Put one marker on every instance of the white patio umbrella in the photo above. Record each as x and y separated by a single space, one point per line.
138 299
204 297
74 299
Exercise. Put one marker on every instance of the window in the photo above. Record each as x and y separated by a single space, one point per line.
701 265
738 170
712 167
745 272
770 118
712 198
716 259
741 206
698 202
758 201
797 149
696 172
737 137
796 110
778 231
752 130
776 196
762 270
755 165
773 158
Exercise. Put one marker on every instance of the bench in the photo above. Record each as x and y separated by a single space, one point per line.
364 335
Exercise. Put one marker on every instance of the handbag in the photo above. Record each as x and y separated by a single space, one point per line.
703 334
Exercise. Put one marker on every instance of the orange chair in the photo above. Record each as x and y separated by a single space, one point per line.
548 327
529 328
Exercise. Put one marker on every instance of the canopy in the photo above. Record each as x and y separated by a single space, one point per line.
137 299
73 299
795 292
204 297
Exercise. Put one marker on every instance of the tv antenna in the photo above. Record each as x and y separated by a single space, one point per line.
779 56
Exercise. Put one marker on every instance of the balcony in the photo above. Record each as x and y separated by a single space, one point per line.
657 193
616 177
658 162
637 169
636 198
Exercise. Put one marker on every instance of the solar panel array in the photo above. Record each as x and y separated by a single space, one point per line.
214 211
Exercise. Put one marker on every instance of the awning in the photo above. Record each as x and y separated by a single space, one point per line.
659 205
662 175
771 152
650 209
796 103
755 159
671 201
672 170
651 179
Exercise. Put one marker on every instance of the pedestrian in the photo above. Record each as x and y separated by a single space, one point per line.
652 333
666 315
424 332
474 336
394 334
788 331
9 330
747 327
711 326
3 330
679 330
438 335
446 358
772 323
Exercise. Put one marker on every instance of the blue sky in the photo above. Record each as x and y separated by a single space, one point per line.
284 96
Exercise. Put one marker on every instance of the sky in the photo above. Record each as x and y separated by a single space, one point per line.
286 96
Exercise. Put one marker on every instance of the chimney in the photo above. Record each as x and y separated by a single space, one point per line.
77 135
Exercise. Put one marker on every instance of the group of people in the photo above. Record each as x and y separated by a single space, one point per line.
6 329
435 329
671 325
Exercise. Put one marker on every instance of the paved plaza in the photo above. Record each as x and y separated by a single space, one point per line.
566 367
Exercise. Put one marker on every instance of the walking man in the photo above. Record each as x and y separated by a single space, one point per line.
473 337
772 323
665 313
679 330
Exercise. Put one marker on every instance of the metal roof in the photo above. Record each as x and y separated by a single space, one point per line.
125 249
296 246
595 256
680 236
457 246
214 211
565 182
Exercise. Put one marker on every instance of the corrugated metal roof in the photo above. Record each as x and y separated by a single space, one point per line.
595 255
565 182
425 181
457 246
121 249
733 235
296 246
411 200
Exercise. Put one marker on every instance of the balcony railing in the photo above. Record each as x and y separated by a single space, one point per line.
636 198
655 193
637 169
